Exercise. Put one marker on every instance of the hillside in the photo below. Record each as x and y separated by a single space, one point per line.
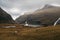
21 19
5 17
46 16
43 33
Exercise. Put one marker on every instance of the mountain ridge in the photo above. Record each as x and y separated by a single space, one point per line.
45 16
5 17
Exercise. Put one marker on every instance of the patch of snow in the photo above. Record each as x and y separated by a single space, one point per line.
26 24
9 26
55 5
56 21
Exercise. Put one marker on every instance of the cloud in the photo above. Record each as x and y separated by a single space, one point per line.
24 5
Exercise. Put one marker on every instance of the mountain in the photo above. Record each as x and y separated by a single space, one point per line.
48 6
45 16
5 17
23 18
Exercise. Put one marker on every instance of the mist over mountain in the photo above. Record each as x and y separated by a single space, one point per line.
48 6
45 16
5 17
23 18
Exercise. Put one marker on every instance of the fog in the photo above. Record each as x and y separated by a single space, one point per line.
17 7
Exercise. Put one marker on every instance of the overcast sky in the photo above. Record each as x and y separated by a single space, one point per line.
17 7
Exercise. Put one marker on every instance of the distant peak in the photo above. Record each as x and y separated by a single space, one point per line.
49 6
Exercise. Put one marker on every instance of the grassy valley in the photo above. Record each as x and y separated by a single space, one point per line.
12 30
27 33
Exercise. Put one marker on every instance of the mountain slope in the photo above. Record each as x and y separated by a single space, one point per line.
46 16
5 17
23 18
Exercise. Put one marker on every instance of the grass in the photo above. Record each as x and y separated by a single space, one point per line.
42 33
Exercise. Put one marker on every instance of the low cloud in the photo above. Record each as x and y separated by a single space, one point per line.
24 5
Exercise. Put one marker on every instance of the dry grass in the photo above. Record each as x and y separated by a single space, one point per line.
43 33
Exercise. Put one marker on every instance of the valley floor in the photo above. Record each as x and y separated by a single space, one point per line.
26 33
